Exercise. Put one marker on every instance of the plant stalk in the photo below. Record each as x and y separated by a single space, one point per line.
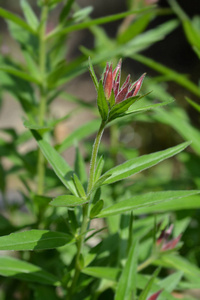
146 263
43 95
85 222
94 157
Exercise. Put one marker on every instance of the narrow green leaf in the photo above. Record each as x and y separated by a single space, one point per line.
127 282
40 129
178 78
194 104
31 65
139 107
102 102
93 75
119 109
12 267
179 121
98 21
111 100
145 292
82 14
96 209
99 168
141 163
100 182
148 38
80 167
138 26
17 20
65 11
29 14
191 33
28 42
190 202
19 73
103 272
79 187
67 201
170 283
179 263
34 240
79 134
145 200
59 165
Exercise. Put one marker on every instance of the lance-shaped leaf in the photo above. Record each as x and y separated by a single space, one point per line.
175 76
147 289
144 200
67 201
19 73
40 129
34 240
127 281
59 165
141 163
90 23
12 267
120 108
96 208
29 14
194 104
188 202
15 19
140 108
93 75
102 102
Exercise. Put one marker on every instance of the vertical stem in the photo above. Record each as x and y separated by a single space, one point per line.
85 221
79 244
94 156
43 95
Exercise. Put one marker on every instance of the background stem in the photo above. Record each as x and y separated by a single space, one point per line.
43 95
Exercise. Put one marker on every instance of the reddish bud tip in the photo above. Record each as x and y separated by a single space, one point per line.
138 84
108 83
155 295
171 244
118 68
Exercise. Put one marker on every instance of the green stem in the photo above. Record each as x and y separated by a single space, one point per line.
80 242
85 222
146 263
94 157
43 95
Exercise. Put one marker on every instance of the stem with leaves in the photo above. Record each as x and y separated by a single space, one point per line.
43 94
94 157
85 221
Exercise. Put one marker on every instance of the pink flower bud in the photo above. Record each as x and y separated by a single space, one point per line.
111 81
163 243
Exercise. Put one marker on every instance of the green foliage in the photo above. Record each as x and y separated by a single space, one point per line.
25 271
127 281
67 200
93 225
34 240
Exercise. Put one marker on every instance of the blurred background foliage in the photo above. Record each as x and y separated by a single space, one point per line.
163 41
